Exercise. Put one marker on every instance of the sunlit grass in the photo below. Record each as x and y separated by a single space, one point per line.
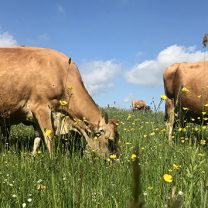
169 173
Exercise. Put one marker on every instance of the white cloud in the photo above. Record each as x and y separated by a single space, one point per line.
150 72
7 39
99 75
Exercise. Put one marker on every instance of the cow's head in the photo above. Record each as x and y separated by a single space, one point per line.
104 141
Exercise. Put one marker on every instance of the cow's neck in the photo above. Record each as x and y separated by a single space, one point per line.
81 103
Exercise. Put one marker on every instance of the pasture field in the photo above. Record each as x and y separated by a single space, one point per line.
171 175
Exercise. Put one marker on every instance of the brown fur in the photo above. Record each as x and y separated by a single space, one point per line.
34 80
194 77
139 105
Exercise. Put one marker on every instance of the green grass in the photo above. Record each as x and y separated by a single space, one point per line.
72 180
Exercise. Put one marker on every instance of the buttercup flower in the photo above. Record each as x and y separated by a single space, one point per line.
184 90
48 132
113 156
176 167
163 97
62 102
134 157
203 142
168 178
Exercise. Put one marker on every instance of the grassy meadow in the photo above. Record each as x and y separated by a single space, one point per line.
168 175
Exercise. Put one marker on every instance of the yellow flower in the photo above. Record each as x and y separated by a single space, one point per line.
95 138
184 108
203 142
180 129
129 116
176 167
113 156
62 102
128 143
193 119
40 187
206 105
152 134
167 178
134 157
48 132
184 90
163 97
204 113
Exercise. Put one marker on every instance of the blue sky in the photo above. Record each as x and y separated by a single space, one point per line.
120 46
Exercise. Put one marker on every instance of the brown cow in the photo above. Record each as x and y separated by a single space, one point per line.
186 86
37 81
139 105
64 124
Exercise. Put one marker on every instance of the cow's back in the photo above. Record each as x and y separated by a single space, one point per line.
28 75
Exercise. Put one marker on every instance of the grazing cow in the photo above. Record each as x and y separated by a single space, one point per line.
64 124
36 82
186 88
139 105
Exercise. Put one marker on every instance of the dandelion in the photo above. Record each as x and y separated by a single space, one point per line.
62 102
184 90
134 157
163 97
167 178
203 142
48 132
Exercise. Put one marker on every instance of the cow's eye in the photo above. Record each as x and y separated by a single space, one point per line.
102 131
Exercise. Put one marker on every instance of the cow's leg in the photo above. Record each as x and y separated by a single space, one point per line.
43 117
36 145
169 116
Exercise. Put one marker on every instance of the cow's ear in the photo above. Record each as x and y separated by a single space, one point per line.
69 60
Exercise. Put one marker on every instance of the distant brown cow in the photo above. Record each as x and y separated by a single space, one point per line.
186 88
36 82
139 105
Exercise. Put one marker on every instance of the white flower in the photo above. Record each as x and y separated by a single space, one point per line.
24 205
14 195
29 200
180 193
